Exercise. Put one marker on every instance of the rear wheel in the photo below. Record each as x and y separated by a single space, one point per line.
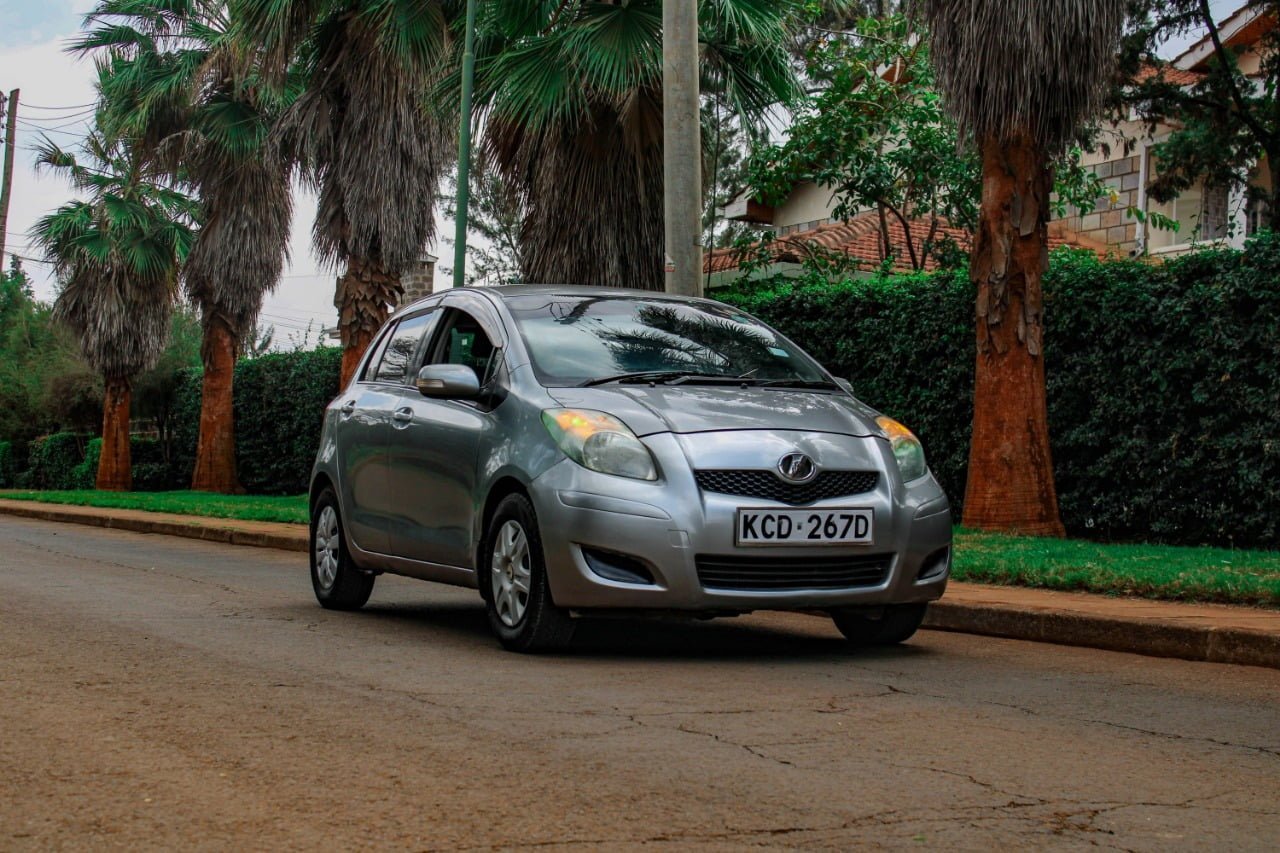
885 626
338 583
517 595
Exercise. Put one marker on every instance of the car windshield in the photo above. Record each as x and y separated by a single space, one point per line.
580 340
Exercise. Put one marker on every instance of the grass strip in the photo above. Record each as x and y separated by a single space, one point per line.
286 508
1167 572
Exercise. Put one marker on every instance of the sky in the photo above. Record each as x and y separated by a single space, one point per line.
56 94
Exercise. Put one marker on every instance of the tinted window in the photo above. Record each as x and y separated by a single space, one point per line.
371 366
574 339
401 347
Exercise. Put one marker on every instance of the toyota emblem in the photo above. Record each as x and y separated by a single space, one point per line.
797 468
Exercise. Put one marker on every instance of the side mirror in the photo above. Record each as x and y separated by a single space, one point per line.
447 381
845 384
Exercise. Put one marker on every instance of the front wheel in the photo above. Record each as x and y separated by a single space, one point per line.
894 623
338 583
516 593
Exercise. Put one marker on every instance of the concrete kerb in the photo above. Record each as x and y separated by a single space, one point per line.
1197 641
285 537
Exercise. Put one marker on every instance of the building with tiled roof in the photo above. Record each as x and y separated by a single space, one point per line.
1205 214
861 239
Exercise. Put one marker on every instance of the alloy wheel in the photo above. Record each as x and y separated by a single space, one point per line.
327 545
509 572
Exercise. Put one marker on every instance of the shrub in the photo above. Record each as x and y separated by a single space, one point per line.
8 467
54 460
279 405
85 475
1163 382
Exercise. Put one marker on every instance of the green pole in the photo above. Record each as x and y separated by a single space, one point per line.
464 151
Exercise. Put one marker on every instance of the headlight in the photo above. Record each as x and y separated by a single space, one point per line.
600 442
907 449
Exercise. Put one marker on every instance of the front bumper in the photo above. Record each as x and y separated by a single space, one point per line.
666 525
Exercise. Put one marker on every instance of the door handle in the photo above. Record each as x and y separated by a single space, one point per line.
347 408
403 416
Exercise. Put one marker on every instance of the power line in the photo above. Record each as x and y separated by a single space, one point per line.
37 129
69 107
41 119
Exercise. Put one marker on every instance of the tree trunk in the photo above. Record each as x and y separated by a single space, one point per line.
364 299
215 469
1010 468
115 464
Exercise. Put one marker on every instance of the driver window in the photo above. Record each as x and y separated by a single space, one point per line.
465 342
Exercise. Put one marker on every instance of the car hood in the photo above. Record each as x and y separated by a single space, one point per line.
650 409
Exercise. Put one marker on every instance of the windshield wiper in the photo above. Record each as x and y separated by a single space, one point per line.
819 384
662 377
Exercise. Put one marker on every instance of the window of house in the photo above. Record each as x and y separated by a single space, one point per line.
1201 213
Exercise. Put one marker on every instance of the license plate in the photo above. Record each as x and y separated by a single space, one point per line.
804 526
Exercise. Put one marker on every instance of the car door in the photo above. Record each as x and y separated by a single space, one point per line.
433 458
364 430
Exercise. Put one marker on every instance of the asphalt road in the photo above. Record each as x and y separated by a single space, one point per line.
165 693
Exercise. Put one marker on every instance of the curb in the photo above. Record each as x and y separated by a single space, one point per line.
208 530
1153 637
1068 627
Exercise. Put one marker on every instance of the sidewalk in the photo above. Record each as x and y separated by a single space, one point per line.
1221 634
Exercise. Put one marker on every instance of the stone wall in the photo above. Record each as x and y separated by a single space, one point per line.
418 282
1108 224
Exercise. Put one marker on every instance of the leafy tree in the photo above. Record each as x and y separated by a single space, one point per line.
117 255
494 218
728 147
34 352
364 135
876 134
156 391
1225 123
571 92
1020 79
172 79
258 343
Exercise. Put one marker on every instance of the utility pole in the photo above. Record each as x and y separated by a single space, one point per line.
682 147
464 151
6 180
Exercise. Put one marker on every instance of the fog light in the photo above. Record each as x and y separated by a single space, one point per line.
935 564
617 567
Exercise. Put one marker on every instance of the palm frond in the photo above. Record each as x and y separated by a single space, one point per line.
1008 67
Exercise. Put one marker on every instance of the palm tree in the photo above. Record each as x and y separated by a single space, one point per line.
195 102
116 254
571 94
362 132
1020 79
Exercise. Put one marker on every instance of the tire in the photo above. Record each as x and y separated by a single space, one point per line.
513 578
894 624
338 582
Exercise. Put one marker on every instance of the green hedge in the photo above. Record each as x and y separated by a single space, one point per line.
53 461
85 475
1163 382
8 466
279 404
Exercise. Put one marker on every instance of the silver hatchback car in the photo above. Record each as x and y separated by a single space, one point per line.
572 451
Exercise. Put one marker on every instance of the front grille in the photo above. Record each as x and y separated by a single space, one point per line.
766 484
781 573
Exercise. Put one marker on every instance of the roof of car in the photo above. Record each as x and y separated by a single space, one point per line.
509 290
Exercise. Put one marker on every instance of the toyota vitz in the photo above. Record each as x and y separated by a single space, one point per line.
572 451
